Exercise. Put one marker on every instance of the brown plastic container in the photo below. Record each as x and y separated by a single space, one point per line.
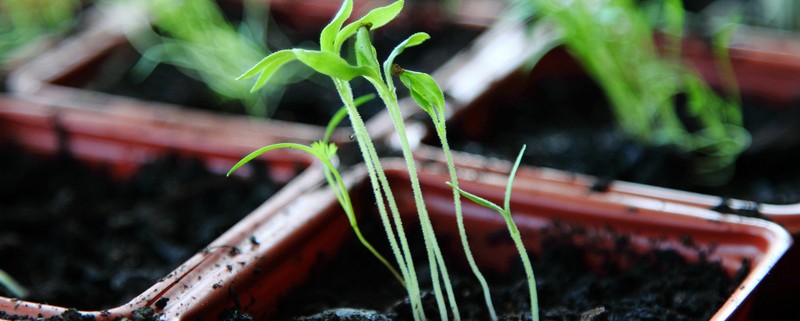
294 237
766 66
122 143
59 74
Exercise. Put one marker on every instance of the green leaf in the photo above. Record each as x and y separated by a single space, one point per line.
330 64
365 52
268 66
414 40
478 200
324 150
265 149
328 36
424 90
375 19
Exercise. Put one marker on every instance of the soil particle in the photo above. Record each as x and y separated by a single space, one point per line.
162 303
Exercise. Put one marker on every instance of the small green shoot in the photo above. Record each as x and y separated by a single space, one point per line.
505 211
325 153
195 37
13 287
427 94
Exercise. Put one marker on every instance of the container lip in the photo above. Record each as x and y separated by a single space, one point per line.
319 197
786 215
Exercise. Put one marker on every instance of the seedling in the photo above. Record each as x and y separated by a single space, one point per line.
505 211
195 37
325 153
427 94
615 43
328 61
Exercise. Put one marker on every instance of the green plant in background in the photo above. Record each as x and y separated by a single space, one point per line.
24 21
505 211
614 41
196 37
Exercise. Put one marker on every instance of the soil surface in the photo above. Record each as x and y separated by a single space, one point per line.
659 285
567 124
77 239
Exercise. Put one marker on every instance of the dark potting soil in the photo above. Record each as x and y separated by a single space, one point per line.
141 314
76 238
566 123
658 285
312 101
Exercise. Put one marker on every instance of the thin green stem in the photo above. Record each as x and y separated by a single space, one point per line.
435 258
514 231
379 181
439 124
526 263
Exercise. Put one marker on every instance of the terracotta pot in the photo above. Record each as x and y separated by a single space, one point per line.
50 77
122 143
293 238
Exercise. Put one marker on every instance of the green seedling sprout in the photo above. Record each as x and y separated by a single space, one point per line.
12 285
328 60
427 94
23 21
325 153
195 37
505 211
613 39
